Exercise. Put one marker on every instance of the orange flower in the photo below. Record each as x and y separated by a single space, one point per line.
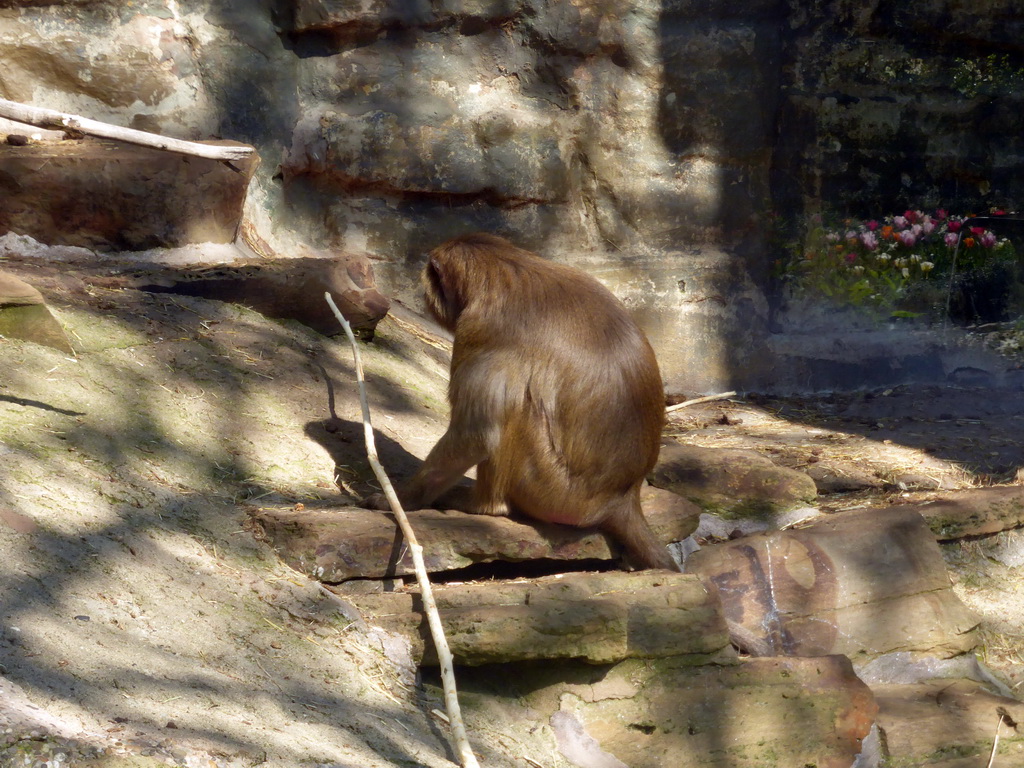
887 232
969 242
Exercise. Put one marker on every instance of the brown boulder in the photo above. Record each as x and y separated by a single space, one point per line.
858 583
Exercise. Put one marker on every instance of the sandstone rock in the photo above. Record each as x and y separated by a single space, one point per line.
859 583
661 506
731 482
950 724
111 196
597 617
16 292
503 155
665 712
24 315
147 61
973 512
334 545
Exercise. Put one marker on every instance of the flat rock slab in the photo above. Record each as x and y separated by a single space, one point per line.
858 583
597 617
334 545
948 723
107 195
666 713
731 482
974 512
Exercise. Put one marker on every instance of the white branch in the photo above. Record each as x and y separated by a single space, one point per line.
49 118
444 654
696 400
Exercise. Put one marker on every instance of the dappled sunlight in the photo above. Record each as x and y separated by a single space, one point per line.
124 471
799 444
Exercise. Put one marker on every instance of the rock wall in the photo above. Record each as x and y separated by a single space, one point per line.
890 105
647 140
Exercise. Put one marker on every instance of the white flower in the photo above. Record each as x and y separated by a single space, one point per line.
927 266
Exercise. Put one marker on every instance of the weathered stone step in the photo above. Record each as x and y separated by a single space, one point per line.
974 512
860 583
342 543
599 617
948 724
730 481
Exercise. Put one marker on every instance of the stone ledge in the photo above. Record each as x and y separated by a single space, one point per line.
341 543
597 617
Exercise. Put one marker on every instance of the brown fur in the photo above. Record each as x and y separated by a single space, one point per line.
555 394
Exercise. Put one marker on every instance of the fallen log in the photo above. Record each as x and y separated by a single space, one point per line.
61 121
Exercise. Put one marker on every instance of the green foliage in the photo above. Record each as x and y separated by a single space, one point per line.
991 74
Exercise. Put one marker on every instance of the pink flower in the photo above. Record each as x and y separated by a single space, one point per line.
954 226
851 257
900 222
988 239
950 239
911 216
941 213
872 225
917 229
977 230
928 225
870 240
907 237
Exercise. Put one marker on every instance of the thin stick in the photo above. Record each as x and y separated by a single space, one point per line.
61 121
697 400
995 743
444 654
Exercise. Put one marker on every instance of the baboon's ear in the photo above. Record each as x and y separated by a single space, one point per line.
442 286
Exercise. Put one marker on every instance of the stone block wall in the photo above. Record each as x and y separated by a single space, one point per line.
890 105
647 140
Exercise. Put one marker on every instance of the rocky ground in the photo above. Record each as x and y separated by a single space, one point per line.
142 623
905 444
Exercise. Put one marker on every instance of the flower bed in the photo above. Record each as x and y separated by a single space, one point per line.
934 265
